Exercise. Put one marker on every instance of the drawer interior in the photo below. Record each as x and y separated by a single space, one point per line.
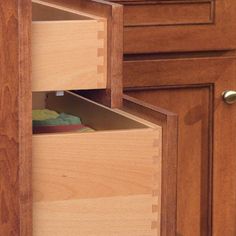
94 115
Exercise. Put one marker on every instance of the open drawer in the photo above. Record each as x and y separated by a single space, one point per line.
102 183
69 49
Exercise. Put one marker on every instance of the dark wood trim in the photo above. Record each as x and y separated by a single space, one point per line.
25 118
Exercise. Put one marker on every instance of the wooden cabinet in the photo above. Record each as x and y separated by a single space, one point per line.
119 179
161 161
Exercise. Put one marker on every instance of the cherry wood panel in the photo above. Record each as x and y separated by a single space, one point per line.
151 14
141 71
174 37
15 119
194 155
169 123
193 87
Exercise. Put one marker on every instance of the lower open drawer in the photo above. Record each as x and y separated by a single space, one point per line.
102 183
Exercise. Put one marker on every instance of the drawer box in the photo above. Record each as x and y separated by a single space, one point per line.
69 49
103 183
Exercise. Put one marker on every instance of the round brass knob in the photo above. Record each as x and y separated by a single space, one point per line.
229 96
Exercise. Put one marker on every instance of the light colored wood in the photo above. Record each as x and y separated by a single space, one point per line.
130 212
110 189
69 54
176 71
112 95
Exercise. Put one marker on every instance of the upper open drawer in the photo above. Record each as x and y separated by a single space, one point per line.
69 49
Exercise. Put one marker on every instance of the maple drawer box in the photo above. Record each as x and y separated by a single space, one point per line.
69 49
103 183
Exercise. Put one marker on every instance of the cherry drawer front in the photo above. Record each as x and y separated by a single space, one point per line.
173 26
152 72
155 14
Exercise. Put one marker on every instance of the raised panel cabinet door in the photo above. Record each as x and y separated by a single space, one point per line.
206 177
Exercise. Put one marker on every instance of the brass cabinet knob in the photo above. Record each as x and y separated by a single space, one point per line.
229 96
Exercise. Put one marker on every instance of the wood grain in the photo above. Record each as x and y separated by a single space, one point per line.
131 216
69 54
179 38
104 190
112 96
15 148
156 14
169 123
194 153
179 70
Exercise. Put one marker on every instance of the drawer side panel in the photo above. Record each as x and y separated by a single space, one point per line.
104 183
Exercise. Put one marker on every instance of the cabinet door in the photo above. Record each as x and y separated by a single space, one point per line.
193 88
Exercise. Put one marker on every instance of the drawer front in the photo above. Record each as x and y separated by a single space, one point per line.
173 26
69 49
176 71
171 13
106 182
